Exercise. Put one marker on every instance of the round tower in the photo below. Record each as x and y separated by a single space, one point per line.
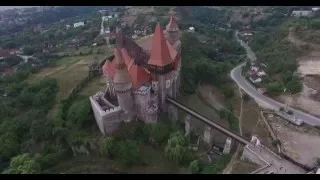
161 66
172 30
122 85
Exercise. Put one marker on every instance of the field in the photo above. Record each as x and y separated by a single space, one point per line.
69 71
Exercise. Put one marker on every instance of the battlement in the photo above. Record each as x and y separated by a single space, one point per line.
143 90
112 110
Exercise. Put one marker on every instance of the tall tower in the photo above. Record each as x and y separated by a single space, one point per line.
122 85
173 36
173 31
161 66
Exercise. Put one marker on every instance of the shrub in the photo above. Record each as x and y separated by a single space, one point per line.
194 167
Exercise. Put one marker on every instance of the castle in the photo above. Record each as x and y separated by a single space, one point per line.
139 80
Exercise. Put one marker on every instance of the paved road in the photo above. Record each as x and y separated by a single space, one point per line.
261 99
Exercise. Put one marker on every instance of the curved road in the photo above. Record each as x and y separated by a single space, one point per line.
261 99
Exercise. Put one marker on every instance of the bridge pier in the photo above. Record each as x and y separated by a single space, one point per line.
207 138
173 113
187 126
227 146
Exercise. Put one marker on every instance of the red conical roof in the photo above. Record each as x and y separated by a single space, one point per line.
160 55
121 71
139 76
172 26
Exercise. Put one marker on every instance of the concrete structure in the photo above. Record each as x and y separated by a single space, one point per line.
207 135
138 82
227 146
78 24
302 13
191 29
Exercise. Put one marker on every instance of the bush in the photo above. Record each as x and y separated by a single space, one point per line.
177 149
194 167
160 133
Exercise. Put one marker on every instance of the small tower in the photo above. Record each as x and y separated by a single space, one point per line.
161 66
122 85
172 30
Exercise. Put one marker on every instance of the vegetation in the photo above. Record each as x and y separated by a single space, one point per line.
194 167
279 55
177 149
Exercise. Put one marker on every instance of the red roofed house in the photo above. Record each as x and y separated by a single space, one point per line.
139 80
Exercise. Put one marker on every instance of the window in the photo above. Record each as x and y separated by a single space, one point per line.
168 83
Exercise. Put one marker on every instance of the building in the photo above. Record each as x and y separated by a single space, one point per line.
191 29
315 9
306 13
78 24
138 80
255 78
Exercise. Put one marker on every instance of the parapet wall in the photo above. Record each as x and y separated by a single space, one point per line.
252 156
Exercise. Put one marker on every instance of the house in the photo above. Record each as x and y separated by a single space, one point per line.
134 36
67 26
315 9
78 24
262 90
247 34
191 29
261 73
4 53
255 68
306 13
255 78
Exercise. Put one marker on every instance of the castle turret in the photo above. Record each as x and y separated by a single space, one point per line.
122 85
172 30
161 66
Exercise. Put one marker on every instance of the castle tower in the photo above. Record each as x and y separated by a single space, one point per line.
172 30
173 35
161 66
122 85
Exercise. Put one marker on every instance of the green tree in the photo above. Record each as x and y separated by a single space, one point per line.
13 60
28 50
160 133
177 150
23 164
9 145
194 167
107 146
128 153
80 114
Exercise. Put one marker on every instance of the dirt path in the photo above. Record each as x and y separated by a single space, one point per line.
293 39
229 168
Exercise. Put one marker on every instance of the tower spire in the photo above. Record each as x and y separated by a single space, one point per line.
122 75
172 26
160 55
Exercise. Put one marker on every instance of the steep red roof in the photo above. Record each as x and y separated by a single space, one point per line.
173 52
126 56
121 71
138 75
160 55
172 26
109 68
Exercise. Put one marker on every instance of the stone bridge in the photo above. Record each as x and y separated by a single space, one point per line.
254 151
